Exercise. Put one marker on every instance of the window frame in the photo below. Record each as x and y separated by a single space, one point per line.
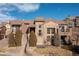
50 30
40 26
40 32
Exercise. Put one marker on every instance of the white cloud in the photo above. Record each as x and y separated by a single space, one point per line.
27 7
5 13
5 10
4 17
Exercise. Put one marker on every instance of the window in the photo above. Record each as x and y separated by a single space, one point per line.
70 24
13 28
68 29
52 37
62 29
53 30
50 30
16 27
60 26
77 23
40 33
39 26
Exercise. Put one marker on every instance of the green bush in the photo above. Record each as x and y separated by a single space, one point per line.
12 41
32 39
18 37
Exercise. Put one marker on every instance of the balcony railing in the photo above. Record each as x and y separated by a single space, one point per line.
64 33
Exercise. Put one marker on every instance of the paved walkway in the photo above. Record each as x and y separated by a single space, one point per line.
14 50
4 43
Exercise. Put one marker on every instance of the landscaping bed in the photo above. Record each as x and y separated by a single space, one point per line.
51 51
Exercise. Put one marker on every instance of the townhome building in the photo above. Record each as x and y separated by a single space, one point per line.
48 31
73 24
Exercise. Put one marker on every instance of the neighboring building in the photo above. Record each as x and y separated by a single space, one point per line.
2 31
73 24
48 32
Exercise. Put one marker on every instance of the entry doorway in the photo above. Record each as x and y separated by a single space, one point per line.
52 40
32 29
63 40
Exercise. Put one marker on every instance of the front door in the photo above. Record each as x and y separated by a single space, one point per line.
63 40
52 40
32 29
51 35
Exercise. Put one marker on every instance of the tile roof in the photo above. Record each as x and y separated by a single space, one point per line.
56 21
39 19
20 21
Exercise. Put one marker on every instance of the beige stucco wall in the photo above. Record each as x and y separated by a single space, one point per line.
49 24
40 39
8 29
45 25
23 28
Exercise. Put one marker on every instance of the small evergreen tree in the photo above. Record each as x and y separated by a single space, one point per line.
15 41
32 39
18 37
2 32
12 41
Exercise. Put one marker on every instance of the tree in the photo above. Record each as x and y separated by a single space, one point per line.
32 39
18 37
2 32
12 41
15 41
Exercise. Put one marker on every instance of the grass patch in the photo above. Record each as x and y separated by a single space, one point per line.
67 47
53 51
3 50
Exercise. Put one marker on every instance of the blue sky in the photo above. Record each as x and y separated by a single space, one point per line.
58 11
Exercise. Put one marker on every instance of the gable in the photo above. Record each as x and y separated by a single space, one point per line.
51 24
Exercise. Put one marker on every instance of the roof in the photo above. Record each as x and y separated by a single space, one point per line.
61 22
56 21
31 25
20 21
39 19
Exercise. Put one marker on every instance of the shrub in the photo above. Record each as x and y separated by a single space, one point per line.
18 37
12 41
15 41
67 47
2 32
32 39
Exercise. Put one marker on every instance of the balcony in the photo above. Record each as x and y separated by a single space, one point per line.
63 33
